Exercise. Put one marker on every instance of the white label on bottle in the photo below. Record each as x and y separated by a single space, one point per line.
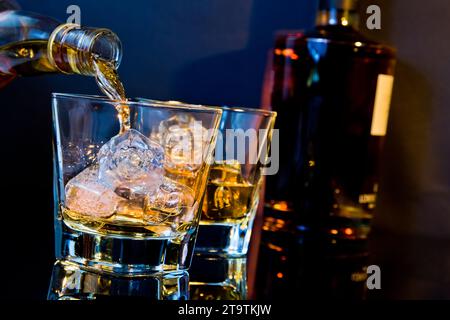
382 105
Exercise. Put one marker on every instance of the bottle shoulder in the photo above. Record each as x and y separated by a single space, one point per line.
18 25
335 36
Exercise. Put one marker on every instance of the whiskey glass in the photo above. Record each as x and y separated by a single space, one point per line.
234 185
129 203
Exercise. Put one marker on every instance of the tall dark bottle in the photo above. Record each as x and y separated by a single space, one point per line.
332 89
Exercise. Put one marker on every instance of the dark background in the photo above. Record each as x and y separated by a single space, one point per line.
214 52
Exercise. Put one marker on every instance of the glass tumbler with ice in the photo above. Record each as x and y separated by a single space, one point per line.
129 202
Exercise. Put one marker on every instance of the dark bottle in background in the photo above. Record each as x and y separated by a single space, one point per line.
331 88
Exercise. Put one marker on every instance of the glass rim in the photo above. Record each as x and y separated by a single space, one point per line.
142 103
262 112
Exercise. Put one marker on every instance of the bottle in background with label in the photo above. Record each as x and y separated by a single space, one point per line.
332 89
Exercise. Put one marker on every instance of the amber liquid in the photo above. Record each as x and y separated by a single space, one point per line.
109 82
23 58
229 197
125 222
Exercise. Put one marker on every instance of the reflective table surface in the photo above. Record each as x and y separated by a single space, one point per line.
287 265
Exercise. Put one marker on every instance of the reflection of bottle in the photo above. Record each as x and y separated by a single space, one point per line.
31 44
218 278
310 267
331 88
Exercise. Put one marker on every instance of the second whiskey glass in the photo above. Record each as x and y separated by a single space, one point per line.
234 185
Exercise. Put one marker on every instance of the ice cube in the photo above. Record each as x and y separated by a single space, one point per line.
171 201
228 171
133 163
87 196
228 194
183 139
130 209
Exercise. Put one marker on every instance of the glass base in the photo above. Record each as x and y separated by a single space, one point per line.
71 282
227 238
218 278
124 255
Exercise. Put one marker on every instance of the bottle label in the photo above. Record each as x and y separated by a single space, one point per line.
382 105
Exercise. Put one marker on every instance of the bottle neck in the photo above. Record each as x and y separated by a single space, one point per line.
74 49
342 13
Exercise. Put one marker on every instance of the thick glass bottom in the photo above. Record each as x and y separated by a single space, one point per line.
228 238
72 282
124 255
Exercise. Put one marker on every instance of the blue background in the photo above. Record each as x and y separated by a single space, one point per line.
214 52
200 51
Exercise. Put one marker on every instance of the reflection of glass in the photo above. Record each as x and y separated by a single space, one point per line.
70 282
232 194
119 207
218 278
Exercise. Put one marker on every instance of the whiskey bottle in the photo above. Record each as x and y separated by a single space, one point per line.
331 88
32 44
